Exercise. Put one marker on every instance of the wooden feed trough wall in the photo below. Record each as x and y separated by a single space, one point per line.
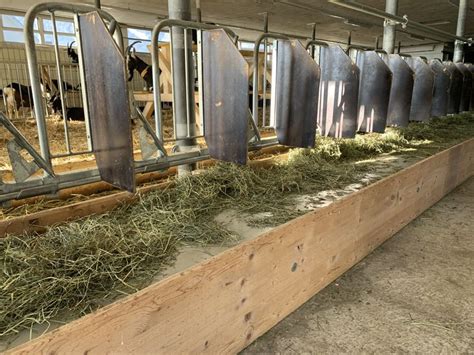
226 302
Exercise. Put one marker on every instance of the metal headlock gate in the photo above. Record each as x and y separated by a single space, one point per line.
374 91
442 83
466 87
401 91
455 88
422 98
338 94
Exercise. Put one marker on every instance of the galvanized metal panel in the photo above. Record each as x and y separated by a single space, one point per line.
441 88
422 98
374 92
296 95
225 87
401 91
455 89
107 96
338 93
466 87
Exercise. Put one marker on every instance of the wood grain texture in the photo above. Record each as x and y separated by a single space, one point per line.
226 302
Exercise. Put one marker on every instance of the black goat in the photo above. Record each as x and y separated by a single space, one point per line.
72 113
71 53
136 63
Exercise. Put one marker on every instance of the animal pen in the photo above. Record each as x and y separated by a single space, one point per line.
88 120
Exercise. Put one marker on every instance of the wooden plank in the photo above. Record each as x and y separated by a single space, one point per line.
37 222
226 302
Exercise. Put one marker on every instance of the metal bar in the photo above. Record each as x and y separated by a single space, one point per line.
38 186
97 3
353 5
255 70
183 79
186 86
149 130
198 11
389 32
60 83
82 78
26 145
265 55
313 38
458 45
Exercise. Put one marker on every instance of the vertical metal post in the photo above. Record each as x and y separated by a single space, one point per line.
391 6
200 68
97 3
183 80
458 45
264 77
198 11
313 38
82 76
32 60
60 83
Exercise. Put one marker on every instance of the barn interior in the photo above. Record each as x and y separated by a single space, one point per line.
286 132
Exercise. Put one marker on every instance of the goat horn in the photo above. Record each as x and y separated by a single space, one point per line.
70 44
130 46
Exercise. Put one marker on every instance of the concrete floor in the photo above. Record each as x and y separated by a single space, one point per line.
415 293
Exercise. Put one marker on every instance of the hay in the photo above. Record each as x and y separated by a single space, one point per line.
75 268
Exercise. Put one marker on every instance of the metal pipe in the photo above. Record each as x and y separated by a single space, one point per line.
353 5
264 77
313 38
97 3
255 71
389 31
60 82
458 45
198 11
183 79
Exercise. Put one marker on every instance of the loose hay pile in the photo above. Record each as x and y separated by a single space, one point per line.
75 268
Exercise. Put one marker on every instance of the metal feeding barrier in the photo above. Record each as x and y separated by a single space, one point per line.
338 94
441 88
423 87
466 87
327 91
455 87
294 104
401 91
374 91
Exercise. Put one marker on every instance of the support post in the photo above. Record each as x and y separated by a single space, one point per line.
183 80
458 45
391 6
97 3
